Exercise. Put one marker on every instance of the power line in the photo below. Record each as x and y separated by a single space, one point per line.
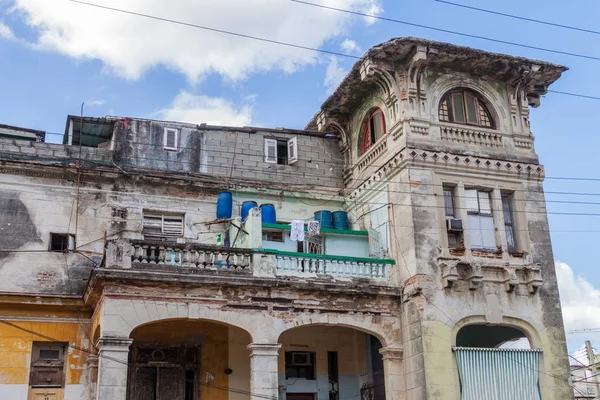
444 30
574 95
537 21
206 28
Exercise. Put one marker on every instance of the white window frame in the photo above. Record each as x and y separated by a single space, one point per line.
271 151
292 146
271 156
481 227
166 139
160 217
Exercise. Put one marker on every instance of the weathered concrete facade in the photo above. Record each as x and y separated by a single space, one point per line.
114 251
422 156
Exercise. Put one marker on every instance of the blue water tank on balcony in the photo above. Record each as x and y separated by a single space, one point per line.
224 205
324 218
268 214
340 220
246 207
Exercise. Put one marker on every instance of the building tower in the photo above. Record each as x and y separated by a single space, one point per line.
441 169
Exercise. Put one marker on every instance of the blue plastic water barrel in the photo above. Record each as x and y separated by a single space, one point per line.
324 218
246 207
268 214
224 205
340 220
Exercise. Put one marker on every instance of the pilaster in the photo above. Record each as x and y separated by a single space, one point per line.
112 368
264 379
393 368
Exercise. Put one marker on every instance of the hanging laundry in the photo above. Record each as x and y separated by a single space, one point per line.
297 233
314 228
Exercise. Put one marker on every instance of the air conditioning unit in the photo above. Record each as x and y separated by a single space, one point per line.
454 225
301 358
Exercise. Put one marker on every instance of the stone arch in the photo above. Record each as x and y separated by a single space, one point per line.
496 105
122 316
373 102
530 332
386 331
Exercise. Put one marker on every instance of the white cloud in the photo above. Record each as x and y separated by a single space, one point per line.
351 47
95 103
333 75
580 302
6 32
130 45
198 109
374 8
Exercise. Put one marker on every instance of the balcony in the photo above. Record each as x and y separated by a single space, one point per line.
303 264
194 258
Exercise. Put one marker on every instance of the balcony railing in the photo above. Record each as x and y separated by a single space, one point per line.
468 135
288 263
153 254
190 256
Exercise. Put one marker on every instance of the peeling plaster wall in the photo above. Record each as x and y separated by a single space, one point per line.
223 152
15 356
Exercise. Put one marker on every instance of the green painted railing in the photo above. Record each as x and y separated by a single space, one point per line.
290 263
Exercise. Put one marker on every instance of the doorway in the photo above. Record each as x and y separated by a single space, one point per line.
164 372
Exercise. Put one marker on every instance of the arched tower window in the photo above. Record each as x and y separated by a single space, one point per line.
373 129
463 106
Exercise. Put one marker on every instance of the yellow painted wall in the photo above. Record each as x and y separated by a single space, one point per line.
214 340
16 345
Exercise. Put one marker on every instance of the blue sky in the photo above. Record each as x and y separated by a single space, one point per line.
57 54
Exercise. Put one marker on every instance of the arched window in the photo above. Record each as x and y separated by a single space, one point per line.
373 129
465 107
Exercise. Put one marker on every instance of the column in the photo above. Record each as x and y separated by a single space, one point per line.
264 379
393 368
92 375
112 368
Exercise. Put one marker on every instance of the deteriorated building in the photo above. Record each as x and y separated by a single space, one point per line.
135 266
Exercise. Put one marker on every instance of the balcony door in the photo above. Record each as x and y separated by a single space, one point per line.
163 372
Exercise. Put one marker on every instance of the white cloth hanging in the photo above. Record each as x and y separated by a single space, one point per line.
297 233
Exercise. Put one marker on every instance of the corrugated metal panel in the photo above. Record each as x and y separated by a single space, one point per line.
498 374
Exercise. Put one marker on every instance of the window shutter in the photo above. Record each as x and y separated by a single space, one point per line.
170 139
152 223
173 225
488 232
271 151
471 203
293 150
485 207
475 231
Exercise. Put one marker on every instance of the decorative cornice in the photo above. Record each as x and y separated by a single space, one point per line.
414 156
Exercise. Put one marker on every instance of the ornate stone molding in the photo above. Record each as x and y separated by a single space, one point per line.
449 272
263 349
533 278
475 276
392 352
475 273
447 160
511 281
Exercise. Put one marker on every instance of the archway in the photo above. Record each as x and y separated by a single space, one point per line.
492 336
184 359
340 362
496 361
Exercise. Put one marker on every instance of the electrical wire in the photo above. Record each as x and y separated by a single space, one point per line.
397 21
537 21
210 29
